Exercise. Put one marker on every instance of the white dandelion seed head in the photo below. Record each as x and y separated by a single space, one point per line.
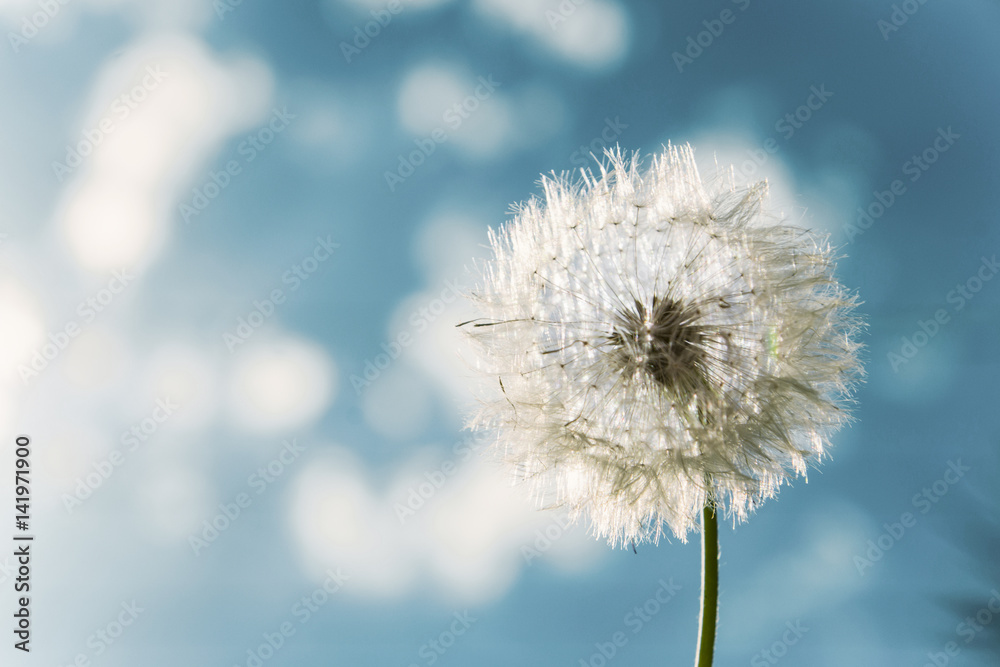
654 342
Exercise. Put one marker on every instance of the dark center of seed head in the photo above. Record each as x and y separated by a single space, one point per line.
664 342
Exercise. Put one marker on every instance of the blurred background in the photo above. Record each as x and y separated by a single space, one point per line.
232 235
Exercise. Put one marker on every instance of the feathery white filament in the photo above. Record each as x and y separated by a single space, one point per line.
656 342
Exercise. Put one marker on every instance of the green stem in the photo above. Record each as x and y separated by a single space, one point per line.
709 587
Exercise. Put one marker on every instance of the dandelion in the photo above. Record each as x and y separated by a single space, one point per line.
658 347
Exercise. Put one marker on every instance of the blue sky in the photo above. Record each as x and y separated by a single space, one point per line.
231 239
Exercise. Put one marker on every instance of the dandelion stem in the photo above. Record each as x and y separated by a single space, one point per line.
709 586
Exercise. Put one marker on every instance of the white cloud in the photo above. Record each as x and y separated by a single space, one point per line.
368 6
592 34
595 35
22 333
481 115
716 152
23 328
186 376
823 200
180 103
97 359
338 522
481 532
280 384
472 111
443 352
426 92
449 241
60 21
72 450
460 533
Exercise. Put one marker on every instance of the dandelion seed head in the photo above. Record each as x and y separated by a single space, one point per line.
653 342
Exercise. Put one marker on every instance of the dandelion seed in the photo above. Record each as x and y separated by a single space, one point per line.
655 344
